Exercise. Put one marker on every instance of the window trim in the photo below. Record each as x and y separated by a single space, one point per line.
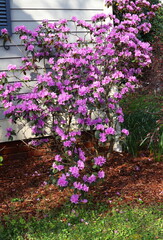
7 17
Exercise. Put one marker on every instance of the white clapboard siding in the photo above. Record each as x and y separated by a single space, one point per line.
5 62
61 4
12 52
19 15
24 132
30 13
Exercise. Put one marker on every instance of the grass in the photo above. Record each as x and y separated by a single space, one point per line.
91 222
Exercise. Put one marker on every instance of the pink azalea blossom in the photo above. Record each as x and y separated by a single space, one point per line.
75 198
99 160
62 181
125 131
4 31
91 179
58 158
11 67
80 164
110 131
74 171
101 174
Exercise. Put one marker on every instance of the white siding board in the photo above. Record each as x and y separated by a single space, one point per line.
35 15
23 132
12 52
5 62
63 4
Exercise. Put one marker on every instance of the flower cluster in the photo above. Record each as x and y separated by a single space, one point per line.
77 85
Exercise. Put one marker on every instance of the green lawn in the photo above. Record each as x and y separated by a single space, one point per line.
91 222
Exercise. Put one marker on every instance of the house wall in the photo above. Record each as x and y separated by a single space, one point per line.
30 13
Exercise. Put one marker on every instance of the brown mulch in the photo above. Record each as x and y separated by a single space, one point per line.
24 190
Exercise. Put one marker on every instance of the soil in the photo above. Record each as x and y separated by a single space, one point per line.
132 180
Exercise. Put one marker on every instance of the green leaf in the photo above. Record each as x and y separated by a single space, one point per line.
97 134
1 159
94 167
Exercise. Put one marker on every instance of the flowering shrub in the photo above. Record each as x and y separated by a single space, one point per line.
77 86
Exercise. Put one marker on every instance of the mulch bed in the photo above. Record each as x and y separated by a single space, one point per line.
24 191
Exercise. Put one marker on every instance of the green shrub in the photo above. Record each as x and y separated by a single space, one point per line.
156 31
142 119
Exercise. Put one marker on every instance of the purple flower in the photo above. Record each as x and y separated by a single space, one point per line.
3 75
83 201
106 80
30 48
117 95
27 78
101 174
69 153
96 84
58 167
119 111
9 132
60 132
121 119
124 90
75 198
63 97
4 31
58 158
74 171
100 127
62 182
81 186
110 131
118 193
103 137
51 60
99 160
21 28
85 188
74 19
98 17
83 90
78 185
82 155
91 179
85 178
82 109
23 37
125 131
80 164
112 106
67 143
62 21
11 67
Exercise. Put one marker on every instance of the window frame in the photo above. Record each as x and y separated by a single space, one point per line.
7 17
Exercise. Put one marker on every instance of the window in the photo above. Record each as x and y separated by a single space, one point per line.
5 20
